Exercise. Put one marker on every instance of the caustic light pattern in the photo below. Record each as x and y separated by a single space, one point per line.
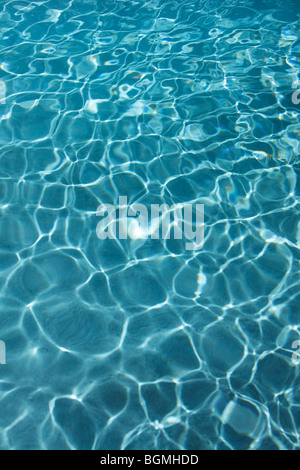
140 343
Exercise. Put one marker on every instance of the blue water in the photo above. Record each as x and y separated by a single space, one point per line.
130 344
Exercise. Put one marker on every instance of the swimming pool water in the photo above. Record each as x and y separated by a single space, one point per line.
141 344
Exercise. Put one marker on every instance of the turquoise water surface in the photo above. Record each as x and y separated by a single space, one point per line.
143 344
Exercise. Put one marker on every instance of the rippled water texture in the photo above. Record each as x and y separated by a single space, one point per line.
136 344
